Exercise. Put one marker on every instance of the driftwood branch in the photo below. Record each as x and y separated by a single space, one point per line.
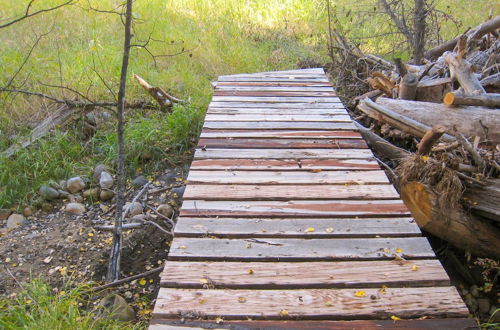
429 139
153 271
164 99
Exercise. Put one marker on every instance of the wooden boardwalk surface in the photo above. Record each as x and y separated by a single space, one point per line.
289 222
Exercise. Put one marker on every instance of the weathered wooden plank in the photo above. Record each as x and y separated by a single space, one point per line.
290 83
299 72
298 275
284 164
276 99
311 303
296 228
302 209
279 117
281 105
276 88
282 143
280 125
413 324
276 111
214 133
291 249
274 93
313 177
282 191
275 79
284 153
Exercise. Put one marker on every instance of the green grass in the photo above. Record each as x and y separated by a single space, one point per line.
37 306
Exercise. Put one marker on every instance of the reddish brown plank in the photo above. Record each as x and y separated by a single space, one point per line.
276 111
326 304
218 153
289 134
413 324
296 228
284 164
302 209
293 249
282 84
277 99
298 275
282 143
280 125
344 118
280 105
273 93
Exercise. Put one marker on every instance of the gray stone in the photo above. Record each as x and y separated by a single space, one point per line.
92 194
139 218
27 212
107 195
48 193
169 177
494 314
63 194
75 185
98 170
75 208
63 184
15 220
140 181
474 291
4 214
471 303
178 192
115 307
134 208
483 305
106 180
166 210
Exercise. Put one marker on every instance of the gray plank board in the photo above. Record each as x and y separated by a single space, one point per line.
323 304
276 99
275 111
281 105
298 275
280 125
288 134
296 228
364 178
344 118
276 88
291 249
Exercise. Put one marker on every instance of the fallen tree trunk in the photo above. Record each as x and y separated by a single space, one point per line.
401 122
468 233
380 145
486 100
491 81
461 70
468 120
485 200
474 34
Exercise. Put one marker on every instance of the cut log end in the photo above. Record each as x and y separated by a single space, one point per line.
449 98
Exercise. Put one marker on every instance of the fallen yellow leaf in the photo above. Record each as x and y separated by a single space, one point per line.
284 312
414 268
382 289
250 271
395 318
329 230
309 230
242 299
142 281
399 250
360 293
202 301
219 320
203 281
328 304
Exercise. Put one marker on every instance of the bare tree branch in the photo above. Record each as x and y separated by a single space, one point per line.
27 13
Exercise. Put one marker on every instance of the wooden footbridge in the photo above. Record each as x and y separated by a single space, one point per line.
289 222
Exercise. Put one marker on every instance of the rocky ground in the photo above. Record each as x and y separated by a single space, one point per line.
67 238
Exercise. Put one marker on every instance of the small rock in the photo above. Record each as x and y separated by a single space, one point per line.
140 181
483 305
63 194
135 208
48 193
169 177
78 198
115 307
166 210
139 218
107 195
106 180
27 212
4 214
92 194
63 184
177 192
471 303
75 185
474 291
494 314
98 170
15 220
75 208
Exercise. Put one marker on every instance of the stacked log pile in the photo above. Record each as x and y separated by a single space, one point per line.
449 110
